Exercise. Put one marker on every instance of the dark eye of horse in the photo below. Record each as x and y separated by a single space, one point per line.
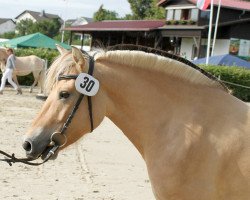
64 95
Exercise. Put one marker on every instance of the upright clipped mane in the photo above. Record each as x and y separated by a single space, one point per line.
162 61
134 55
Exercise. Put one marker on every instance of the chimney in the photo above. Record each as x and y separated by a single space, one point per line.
42 13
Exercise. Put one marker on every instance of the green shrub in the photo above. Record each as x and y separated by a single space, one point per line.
235 75
26 80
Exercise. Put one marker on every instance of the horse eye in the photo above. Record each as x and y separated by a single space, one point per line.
64 95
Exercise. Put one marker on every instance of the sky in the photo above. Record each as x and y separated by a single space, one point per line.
66 9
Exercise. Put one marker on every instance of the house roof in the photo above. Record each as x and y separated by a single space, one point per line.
120 25
79 21
232 4
39 16
3 20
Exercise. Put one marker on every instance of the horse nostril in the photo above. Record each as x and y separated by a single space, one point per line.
27 146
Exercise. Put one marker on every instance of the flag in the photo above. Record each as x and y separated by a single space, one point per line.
203 4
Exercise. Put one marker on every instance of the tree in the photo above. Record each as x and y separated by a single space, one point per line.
145 9
103 14
128 17
155 12
24 27
140 8
48 27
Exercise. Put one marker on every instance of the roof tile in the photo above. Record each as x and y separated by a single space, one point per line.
120 25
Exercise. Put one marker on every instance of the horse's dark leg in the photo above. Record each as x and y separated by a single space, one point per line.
34 84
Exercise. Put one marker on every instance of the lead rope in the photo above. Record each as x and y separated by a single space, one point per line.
10 159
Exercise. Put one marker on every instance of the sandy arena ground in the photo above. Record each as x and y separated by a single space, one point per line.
104 165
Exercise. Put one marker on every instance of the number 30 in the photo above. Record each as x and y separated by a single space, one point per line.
88 84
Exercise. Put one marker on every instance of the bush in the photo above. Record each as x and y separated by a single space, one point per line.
235 75
26 80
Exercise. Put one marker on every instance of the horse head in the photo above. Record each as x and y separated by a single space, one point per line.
58 107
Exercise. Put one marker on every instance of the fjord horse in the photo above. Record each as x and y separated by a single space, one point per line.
26 65
192 133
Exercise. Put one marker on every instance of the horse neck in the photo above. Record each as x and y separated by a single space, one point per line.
143 103
140 100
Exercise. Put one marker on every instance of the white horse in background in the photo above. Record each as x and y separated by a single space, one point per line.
26 65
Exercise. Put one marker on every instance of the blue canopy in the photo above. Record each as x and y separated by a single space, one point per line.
226 60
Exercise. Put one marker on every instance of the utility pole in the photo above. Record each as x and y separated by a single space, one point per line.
64 21
210 31
216 28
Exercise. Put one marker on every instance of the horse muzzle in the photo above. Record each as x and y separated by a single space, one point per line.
33 148
41 144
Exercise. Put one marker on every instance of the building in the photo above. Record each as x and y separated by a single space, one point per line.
79 21
188 27
7 25
36 16
108 33
184 31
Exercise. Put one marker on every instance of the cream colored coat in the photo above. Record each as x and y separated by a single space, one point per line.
192 134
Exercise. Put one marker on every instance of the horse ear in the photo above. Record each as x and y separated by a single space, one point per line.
78 57
61 49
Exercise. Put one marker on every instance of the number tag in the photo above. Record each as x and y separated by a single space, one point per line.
87 84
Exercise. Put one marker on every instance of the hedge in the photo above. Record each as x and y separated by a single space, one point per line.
235 75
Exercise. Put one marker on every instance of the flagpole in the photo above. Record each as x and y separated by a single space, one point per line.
210 31
216 28
64 21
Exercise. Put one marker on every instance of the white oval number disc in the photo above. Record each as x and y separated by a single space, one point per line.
87 84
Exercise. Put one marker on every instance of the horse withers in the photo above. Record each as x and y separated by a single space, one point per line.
26 65
191 132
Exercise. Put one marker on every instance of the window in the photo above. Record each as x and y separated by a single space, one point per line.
170 14
194 15
182 14
185 14
177 14
205 15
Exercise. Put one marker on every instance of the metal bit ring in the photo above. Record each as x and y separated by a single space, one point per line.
53 142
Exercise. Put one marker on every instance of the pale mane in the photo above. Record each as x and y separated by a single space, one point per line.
163 64
64 64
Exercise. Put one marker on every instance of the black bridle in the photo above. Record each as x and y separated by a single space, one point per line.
54 146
